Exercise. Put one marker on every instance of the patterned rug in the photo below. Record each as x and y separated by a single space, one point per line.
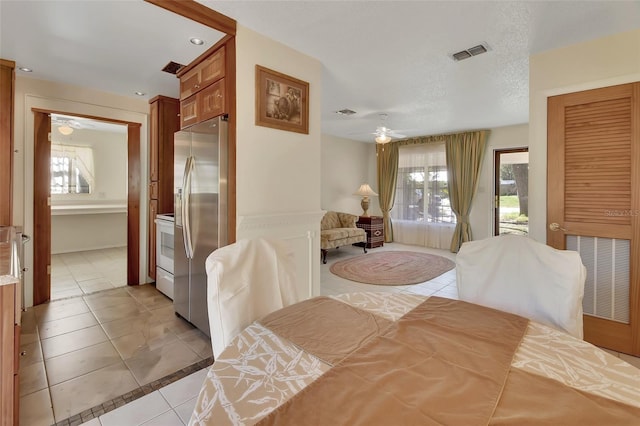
392 267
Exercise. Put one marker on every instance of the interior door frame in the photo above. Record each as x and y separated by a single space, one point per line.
42 208
496 183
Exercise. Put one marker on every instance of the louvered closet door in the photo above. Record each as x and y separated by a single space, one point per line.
593 204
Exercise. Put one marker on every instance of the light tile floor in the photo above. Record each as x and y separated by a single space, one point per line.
80 273
173 404
83 351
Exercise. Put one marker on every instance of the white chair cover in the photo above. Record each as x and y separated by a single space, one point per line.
519 275
245 281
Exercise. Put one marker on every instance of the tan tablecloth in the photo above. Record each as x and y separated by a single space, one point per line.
261 370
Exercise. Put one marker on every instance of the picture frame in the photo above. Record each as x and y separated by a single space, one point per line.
282 101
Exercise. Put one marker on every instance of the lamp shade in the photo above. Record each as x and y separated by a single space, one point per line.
365 191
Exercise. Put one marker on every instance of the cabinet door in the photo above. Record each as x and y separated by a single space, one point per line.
212 68
151 248
211 101
188 112
206 72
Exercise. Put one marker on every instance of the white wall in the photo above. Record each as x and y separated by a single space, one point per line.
599 63
45 95
481 216
278 172
110 165
88 227
346 164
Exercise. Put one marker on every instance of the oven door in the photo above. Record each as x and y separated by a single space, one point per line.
164 245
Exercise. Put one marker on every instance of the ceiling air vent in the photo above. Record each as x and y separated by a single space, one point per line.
346 112
472 51
172 67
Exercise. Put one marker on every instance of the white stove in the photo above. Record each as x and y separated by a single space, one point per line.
164 253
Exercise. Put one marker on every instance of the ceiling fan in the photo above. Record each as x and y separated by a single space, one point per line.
66 125
383 134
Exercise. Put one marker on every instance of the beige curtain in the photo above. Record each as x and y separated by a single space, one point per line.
464 159
387 155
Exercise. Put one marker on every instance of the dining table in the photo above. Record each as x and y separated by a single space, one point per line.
374 358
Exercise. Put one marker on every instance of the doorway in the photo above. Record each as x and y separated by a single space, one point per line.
593 204
511 189
43 199
88 206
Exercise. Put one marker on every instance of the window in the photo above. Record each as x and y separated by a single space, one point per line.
71 169
422 192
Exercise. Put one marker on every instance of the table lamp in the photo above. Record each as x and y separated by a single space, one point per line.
365 192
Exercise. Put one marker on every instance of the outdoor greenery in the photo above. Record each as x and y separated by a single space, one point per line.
509 201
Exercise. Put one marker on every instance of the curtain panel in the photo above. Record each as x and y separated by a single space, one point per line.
387 159
464 159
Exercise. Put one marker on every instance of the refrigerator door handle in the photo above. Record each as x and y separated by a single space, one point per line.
188 246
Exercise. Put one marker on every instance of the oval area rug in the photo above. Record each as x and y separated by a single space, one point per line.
392 267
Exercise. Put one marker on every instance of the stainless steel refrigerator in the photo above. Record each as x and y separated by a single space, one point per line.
200 158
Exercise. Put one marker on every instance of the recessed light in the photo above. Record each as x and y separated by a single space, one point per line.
25 69
139 93
197 41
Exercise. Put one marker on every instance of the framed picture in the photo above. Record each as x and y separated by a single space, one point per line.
282 102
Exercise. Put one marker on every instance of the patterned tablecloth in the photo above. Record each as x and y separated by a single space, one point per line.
260 370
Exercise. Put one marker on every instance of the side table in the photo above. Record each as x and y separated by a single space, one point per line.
375 230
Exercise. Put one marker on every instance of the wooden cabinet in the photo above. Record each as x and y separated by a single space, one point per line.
206 72
206 104
374 228
202 89
163 123
9 337
7 79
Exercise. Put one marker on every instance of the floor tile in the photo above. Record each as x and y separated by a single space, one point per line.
30 353
66 325
170 418
93 422
136 412
57 294
32 378
107 299
143 340
35 409
77 363
73 341
151 365
199 342
184 410
96 284
76 395
60 309
139 321
184 389
123 310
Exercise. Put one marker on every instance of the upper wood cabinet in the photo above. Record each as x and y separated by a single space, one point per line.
210 70
7 79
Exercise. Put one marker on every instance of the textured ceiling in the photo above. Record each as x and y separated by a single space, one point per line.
378 57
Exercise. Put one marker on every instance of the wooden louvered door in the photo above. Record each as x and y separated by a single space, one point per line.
593 204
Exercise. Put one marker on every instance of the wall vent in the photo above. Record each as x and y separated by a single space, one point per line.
472 51
172 67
